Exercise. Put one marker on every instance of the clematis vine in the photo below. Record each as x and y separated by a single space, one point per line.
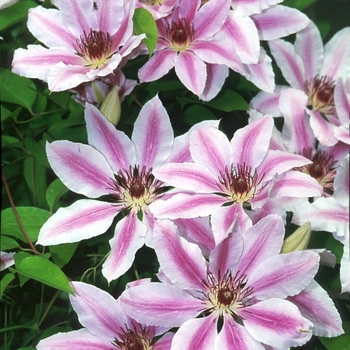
228 179
235 300
322 74
106 326
84 40
112 165
332 214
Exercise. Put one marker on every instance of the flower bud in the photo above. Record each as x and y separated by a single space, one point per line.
110 107
298 240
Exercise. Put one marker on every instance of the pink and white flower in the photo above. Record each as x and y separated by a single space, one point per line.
157 8
235 300
319 72
228 178
113 165
106 326
6 260
84 40
332 214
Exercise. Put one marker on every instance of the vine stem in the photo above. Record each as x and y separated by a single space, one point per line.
18 219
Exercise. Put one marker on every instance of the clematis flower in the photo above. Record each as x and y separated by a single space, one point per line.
332 214
237 299
186 41
112 165
317 71
84 40
229 177
106 326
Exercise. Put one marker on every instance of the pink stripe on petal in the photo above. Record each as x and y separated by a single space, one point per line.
113 144
129 237
323 130
79 340
249 7
181 261
49 27
197 334
188 176
309 47
109 15
97 310
267 103
153 135
251 143
186 206
80 167
192 71
277 323
284 275
279 21
315 304
162 304
216 75
84 219
296 184
233 336
211 149
157 66
289 62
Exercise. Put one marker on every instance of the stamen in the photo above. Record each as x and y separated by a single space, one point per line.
320 91
322 168
180 35
95 48
239 184
136 189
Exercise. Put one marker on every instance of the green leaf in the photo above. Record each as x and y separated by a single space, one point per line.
10 141
7 243
196 114
15 13
44 271
37 149
32 220
168 85
229 101
339 343
5 113
62 253
5 282
144 23
16 89
54 192
299 4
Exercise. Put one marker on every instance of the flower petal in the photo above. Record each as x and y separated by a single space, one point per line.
315 305
284 274
279 21
196 334
81 168
97 310
161 304
112 143
153 135
192 71
211 149
84 219
181 261
77 340
276 322
251 143
186 205
128 238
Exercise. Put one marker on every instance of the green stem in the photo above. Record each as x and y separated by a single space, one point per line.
7 329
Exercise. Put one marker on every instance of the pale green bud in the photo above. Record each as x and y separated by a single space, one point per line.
110 107
298 240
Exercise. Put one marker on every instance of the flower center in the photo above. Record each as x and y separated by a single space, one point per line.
322 168
239 184
136 189
320 91
227 294
137 338
180 35
95 48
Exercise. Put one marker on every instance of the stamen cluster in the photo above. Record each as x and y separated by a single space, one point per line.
180 35
95 48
